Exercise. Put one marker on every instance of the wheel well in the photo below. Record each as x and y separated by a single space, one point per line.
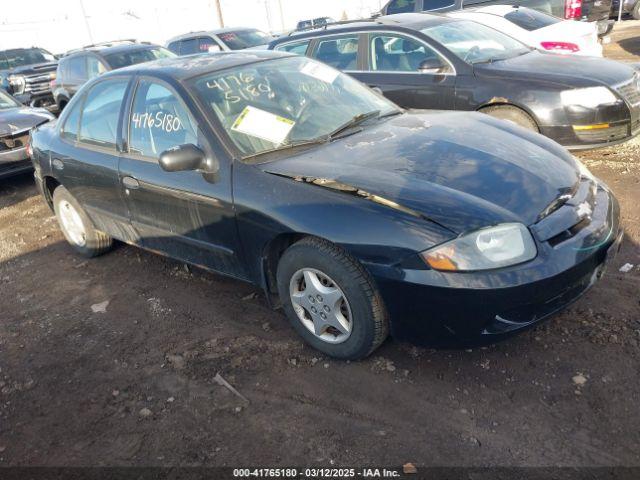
49 186
270 258
62 103
507 104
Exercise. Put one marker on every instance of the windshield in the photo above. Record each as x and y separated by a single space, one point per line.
7 101
21 57
476 43
241 39
133 57
284 102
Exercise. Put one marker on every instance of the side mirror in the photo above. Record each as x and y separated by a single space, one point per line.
185 158
214 48
433 66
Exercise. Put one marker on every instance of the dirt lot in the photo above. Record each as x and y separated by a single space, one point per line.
132 383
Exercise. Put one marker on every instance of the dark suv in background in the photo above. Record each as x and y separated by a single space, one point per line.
26 73
583 10
79 66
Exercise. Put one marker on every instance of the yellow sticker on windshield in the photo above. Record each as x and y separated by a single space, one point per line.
267 126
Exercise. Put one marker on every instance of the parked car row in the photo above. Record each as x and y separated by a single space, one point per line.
597 11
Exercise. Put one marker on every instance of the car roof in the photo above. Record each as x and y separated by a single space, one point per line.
200 33
189 66
500 10
412 21
109 49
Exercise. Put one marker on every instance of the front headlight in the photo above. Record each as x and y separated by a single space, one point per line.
17 84
495 247
591 97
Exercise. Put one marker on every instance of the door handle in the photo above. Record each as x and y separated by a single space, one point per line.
130 183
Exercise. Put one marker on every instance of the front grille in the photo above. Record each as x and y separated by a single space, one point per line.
11 142
571 217
38 83
630 91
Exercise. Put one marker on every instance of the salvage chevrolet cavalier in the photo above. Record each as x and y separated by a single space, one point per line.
357 217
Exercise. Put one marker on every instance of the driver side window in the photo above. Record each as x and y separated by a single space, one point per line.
394 53
159 121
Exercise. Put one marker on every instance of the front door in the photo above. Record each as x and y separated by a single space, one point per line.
395 62
185 215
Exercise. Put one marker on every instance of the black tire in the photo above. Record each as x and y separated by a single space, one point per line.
512 114
370 326
95 242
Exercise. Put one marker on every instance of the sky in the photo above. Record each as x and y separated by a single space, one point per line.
61 25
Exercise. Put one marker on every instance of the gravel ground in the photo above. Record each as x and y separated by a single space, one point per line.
113 362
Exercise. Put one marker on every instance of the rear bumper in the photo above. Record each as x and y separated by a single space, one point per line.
440 309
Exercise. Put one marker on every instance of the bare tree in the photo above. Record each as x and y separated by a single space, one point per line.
219 9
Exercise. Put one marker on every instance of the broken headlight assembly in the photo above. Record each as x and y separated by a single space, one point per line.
17 84
591 97
490 248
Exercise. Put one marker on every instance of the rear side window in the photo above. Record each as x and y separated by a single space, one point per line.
299 48
392 53
95 67
189 46
77 68
159 121
530 19
205 43
70 127
340 53
101 112
430 5
401 6
174 47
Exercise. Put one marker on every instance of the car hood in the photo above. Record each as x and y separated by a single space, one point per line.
462 170
32 69
19 119
565 70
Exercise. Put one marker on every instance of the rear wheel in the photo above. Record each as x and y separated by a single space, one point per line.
331 300
512 114
77 227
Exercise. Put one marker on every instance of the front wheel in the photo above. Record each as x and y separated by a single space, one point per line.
513 115
77 227
330 300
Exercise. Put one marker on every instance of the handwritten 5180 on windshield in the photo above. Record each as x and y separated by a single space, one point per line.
239 87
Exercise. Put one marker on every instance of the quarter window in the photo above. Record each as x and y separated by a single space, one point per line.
159 121
101 112
299 48
393 53
340 53
401 6
70 127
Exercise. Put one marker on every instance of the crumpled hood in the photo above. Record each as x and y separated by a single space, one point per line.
462 170
18 119
571 71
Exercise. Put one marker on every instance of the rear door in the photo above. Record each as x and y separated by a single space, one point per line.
392 64
77 74
185 215
86 157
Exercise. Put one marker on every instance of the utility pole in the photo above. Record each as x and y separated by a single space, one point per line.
86 21
219 9
281 15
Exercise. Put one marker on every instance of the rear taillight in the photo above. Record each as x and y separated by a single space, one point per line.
572 9
560 47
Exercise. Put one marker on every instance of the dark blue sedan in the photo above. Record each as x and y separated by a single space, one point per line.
356 217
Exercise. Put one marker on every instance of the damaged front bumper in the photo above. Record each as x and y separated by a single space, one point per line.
433 308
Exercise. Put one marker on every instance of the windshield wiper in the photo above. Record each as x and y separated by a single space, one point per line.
290 146
354 122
